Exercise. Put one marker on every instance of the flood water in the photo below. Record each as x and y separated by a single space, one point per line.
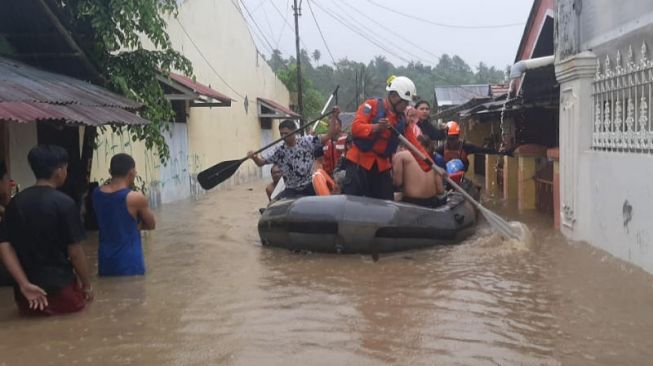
214 296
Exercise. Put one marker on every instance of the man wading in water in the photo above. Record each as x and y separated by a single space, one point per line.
121 214
40 241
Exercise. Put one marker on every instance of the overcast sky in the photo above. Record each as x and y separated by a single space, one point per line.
495 46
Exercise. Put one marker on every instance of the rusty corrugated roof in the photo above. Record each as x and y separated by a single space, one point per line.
24 112
200 88
278 107
29 94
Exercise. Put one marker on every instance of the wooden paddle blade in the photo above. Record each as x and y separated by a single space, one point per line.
218 173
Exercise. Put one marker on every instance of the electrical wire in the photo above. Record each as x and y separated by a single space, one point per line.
262 34
444 25
285 20
207 60
317 25
385 29
357 32
377 43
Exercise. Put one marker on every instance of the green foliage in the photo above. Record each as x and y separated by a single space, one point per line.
111 33
369 79
313 99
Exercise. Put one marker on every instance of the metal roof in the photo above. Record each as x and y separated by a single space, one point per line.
29 94
280 110
200 89
451 95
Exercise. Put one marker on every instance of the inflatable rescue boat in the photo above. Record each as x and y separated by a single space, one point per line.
351 224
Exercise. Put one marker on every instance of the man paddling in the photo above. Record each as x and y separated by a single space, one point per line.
368 162
295 157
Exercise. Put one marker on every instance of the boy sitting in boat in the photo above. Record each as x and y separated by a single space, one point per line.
417 186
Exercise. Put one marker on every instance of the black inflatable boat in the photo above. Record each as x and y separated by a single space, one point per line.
350 224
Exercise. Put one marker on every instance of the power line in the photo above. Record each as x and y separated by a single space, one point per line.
207 60
378 43
444 25
267 20
437 76
374 42
321 34
283 27
396 34
256 25
364 28
285 20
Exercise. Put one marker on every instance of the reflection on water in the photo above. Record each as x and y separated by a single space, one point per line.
212 295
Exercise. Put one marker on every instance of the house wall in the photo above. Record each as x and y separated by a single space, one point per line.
22 137
606 197
220 32
225 133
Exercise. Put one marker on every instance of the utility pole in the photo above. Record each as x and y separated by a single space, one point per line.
300 97
356 88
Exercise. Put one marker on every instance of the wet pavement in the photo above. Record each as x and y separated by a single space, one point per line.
213 295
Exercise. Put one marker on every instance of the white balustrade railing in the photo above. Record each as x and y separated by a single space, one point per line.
622 95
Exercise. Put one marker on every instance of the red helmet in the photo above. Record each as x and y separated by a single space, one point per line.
453 129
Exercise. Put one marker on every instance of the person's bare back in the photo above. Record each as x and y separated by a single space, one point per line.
414 182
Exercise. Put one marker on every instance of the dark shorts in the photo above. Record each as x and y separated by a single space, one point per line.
368 183
295 193
431 202
69 299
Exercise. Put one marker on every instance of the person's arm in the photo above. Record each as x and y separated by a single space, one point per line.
36 296
334 127
80 265
473 149
269 189
410 136
362 126
137 202
259 161
398 170
431 131
73 233
439 183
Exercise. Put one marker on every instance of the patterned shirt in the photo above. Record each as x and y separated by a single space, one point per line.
296 162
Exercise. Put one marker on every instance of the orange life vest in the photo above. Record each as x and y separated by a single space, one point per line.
333 151
459 153
323 184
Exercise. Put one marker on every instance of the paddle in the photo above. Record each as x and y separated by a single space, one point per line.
220 172
496 222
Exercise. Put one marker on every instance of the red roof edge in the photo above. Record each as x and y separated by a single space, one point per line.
199 88
279 107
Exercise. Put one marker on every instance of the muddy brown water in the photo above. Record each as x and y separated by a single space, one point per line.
214 296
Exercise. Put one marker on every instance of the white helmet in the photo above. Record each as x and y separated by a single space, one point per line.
403 86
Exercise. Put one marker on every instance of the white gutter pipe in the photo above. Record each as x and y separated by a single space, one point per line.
519 68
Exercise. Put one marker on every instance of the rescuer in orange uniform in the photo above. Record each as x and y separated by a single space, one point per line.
369 161
455 148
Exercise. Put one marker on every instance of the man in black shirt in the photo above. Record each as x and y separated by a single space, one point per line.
40 241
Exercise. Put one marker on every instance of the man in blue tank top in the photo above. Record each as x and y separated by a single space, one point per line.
121 214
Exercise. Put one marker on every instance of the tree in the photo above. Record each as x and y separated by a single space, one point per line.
316 56
313 100
110 33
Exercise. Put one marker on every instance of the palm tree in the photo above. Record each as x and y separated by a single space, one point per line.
316 56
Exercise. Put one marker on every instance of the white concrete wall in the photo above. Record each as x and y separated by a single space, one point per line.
616 181
220 32
606 195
